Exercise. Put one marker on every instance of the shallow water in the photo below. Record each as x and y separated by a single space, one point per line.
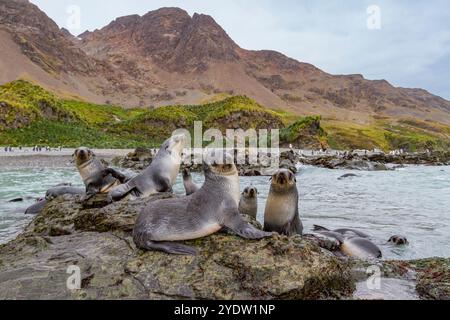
413 201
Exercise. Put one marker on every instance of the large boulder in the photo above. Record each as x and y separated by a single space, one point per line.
98 240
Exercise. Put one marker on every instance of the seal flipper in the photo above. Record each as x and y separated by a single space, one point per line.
115 174
235 223
169 247
91 190
319 228
293 227
162 184
120 192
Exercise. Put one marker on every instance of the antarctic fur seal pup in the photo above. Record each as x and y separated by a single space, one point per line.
248 204
213 207
160 176
96 176
281 214
189 185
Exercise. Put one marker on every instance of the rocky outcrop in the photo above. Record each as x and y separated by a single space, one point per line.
430 277
97 239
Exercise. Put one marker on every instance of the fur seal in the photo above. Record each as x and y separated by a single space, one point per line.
201 214
398 240
37 207
160 176
189 185
248 205
96 176
281 213
351 244
51 194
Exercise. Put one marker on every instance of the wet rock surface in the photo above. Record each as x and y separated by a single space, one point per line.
98 240
425 279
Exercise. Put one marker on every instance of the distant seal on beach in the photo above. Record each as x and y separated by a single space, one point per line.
248 203
189 185
96 176
353 243
201 214
281 214
160 176
398 240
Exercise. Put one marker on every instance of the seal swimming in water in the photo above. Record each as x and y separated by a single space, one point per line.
281 213
348 175
189 185
248 203
398 240
201 214
160 176
96 176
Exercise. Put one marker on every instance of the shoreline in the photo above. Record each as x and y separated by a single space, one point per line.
51 159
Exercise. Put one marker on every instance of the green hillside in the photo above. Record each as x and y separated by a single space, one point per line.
31 115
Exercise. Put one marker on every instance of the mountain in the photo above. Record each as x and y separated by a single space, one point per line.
167 57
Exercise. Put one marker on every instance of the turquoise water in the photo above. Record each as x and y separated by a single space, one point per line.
413 201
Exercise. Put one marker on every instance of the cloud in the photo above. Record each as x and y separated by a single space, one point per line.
411 49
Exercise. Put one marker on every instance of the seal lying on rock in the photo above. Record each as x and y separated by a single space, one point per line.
189 185
353 243
281 213
55 192
52 193
248 205
203 213
96 176
37 207
160 176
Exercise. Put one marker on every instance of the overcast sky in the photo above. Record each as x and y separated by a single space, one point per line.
409 45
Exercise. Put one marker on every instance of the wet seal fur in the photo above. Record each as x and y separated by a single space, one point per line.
52 193
201 214
96 176
160 176
281 213
353 243
248 203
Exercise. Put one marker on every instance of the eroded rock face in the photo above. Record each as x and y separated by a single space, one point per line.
98 240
